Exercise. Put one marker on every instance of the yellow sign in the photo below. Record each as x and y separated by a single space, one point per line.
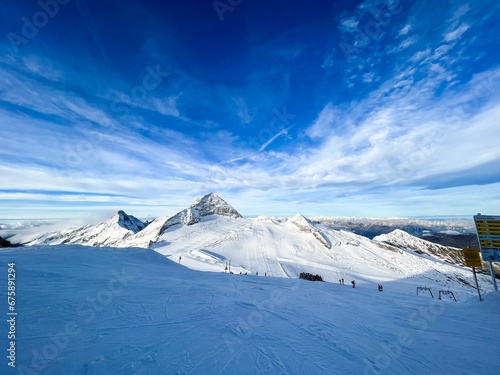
472 257
488 233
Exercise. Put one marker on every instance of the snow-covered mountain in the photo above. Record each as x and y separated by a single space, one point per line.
108 233
404 240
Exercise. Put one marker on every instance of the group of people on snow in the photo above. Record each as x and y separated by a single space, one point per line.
310 276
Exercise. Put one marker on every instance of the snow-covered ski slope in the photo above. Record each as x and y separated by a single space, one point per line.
84 310
286 247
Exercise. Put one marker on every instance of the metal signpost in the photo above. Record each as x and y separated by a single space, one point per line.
473 259
488 235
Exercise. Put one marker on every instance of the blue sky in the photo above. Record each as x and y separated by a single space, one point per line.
362 108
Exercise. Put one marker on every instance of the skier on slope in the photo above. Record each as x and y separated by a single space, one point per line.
353 283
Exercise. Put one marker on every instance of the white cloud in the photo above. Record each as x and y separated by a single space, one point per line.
406 28
348 24
403 45
273 138
404 136
408 42
456 33
368 77
404 82
43 69
31 94
442 50
322 125
420 55
243 112
167 106
460 12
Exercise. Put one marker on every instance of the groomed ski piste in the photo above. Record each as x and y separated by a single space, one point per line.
85 310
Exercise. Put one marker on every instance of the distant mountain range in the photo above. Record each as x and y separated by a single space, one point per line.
371 227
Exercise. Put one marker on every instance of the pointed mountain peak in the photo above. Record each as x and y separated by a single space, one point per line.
128 221
121 214
205 198
299 217
302 222
212 204
305 225
398 233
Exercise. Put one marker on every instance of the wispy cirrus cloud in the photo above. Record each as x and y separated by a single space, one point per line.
456 33
405 29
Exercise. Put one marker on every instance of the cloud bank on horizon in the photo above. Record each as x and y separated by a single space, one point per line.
374 107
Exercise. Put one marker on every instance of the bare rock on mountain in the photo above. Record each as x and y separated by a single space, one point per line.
4 243
210 204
